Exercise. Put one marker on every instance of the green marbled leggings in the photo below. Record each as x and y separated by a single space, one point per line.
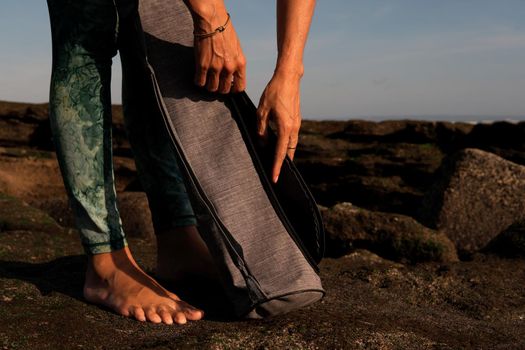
86 35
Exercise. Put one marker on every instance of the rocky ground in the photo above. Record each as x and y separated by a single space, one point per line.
425 230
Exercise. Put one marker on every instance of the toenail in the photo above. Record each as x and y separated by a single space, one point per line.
181 320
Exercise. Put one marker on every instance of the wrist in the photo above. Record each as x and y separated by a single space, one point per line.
290 71
207 15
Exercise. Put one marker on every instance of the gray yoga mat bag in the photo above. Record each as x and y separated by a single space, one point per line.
266 239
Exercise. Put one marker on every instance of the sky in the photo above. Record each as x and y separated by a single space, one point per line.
377 59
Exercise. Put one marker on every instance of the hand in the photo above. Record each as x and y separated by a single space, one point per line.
280 101
220 62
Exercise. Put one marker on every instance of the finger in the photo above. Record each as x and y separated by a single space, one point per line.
201 73
151 315
294 139
294 134
262 123
213 80
283 137
225 84
290 152
239 76
165 315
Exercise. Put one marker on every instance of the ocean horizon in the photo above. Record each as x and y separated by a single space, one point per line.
375 118
448 118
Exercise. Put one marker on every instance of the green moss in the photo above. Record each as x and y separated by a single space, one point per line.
420 249
412 249
16 215
427 146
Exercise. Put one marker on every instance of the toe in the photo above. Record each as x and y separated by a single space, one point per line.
138 313
193 315
152 315
165 315
179 317
123 310
191 312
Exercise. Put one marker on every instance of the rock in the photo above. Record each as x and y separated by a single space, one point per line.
135 214
27 125
368 305
58 208
477 196
366 259
411 131
18 123
133 208
393 236
501 134
502 138
17 215
510 243
389 177
338 159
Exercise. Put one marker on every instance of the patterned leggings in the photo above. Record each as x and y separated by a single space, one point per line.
86 35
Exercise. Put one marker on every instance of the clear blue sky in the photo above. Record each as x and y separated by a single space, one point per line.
380 58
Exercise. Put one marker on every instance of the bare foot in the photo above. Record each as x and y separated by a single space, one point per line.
182 253
115 280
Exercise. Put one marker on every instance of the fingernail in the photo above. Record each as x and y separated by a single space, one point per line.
275 179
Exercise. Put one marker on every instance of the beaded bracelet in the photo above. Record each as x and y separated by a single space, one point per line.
218 30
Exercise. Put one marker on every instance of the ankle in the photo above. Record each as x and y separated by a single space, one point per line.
104 265
170 241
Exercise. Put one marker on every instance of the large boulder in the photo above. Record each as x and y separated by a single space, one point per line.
393 236
477 195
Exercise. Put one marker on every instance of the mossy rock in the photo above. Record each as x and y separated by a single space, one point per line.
392 236
17 215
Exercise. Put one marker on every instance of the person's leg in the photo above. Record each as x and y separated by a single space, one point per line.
181 250
80 120
84 42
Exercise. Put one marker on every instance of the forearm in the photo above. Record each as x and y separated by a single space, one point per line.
206 13
293 23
